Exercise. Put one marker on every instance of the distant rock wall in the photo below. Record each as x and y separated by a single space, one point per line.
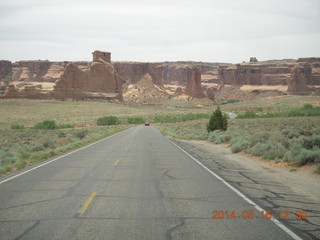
132 72
37 69
5 68
255 74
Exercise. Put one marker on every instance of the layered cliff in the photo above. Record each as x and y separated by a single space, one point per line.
277 73
105 79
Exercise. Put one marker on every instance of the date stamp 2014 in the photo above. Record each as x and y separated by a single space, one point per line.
250 214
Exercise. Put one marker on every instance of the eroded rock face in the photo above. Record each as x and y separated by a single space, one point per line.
37 69
5 68
101 56
299 79
253 60
133 72
255 74
210 93
193 88
30 92
99 81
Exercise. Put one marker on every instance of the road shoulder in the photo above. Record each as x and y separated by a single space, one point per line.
275 189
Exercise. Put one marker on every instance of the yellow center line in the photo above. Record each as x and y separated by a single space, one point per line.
116 162
86 203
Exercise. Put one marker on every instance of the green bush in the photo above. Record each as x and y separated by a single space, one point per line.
108 120
17 127
135 120
218 121
172 118
25 155
46 125
306 111
247 114
308 106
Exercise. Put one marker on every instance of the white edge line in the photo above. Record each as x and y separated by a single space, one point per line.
256 206
62 156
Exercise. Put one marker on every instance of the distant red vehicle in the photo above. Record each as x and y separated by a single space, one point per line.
147 124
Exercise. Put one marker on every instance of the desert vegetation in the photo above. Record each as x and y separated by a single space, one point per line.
32 130
295 140
22 147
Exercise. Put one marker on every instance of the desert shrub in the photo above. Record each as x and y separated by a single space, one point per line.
302 151
219 137
218 121
108 120
172 118
306 111
49 143
268 150
4 155
10 160
81 134
20 164
46 125
17 127
271 115
4 169
308 106
291 132
247 114
135 120
316 140
240 143
25 155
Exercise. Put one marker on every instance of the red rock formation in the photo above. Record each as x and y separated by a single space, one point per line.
5 68
178 91
255 74
156 72
132 72
193 88
30 92
210 93
300 77
175 75
99 55
253 60
37 69
99 81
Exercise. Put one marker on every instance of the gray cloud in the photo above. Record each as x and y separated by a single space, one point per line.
204 30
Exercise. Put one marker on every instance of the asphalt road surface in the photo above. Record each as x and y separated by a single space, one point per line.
133 185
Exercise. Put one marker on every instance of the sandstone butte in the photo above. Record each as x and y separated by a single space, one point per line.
103 79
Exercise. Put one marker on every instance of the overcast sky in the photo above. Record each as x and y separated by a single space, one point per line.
166 30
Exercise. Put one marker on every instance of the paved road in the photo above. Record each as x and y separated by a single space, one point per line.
134 185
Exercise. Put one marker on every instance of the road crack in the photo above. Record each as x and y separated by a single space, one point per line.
174 228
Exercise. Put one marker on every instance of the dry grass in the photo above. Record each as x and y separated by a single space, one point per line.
83 113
